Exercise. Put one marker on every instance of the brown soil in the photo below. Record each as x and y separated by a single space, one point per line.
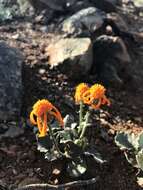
21 163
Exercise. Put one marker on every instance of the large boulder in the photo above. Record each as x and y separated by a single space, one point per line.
74 54
111 60
10 82
89 19
106 5
116 20
115 2
55 4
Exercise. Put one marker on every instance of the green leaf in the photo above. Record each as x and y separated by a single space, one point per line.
140 141
83 143
77 167
64 136
5 13
122 140
44 143
52 155
139 158
133 139
131 158
71 149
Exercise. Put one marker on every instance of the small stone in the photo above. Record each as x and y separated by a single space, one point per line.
31 57
56 181
42 71
111 131
140 181
15 37
138 119
14 171
44 29
38 18
56 171
109 30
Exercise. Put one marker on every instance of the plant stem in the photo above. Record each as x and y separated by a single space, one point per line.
54 141
85 125
80 117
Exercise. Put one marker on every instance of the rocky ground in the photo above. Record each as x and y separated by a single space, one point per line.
20 162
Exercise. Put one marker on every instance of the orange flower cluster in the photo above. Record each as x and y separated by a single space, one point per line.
42 111
80 90
94 96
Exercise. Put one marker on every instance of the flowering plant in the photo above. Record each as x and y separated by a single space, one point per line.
64 139
132 146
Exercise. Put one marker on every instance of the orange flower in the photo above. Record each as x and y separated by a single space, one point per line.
80 90
42 106
95 96
42 111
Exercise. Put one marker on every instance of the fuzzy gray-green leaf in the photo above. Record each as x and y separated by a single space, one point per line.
76 167
134 140
139 158
140 141
131 158
122 140
44 143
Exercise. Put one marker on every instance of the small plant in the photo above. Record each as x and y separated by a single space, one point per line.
132 145
64 139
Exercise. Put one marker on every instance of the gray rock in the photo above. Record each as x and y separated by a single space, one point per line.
76 6
111 60
13 131
115 2
55 4
105 5
10 82
90 19
118 21
75 54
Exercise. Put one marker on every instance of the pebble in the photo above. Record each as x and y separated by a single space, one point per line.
42 71
15 37
138 119
44 29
